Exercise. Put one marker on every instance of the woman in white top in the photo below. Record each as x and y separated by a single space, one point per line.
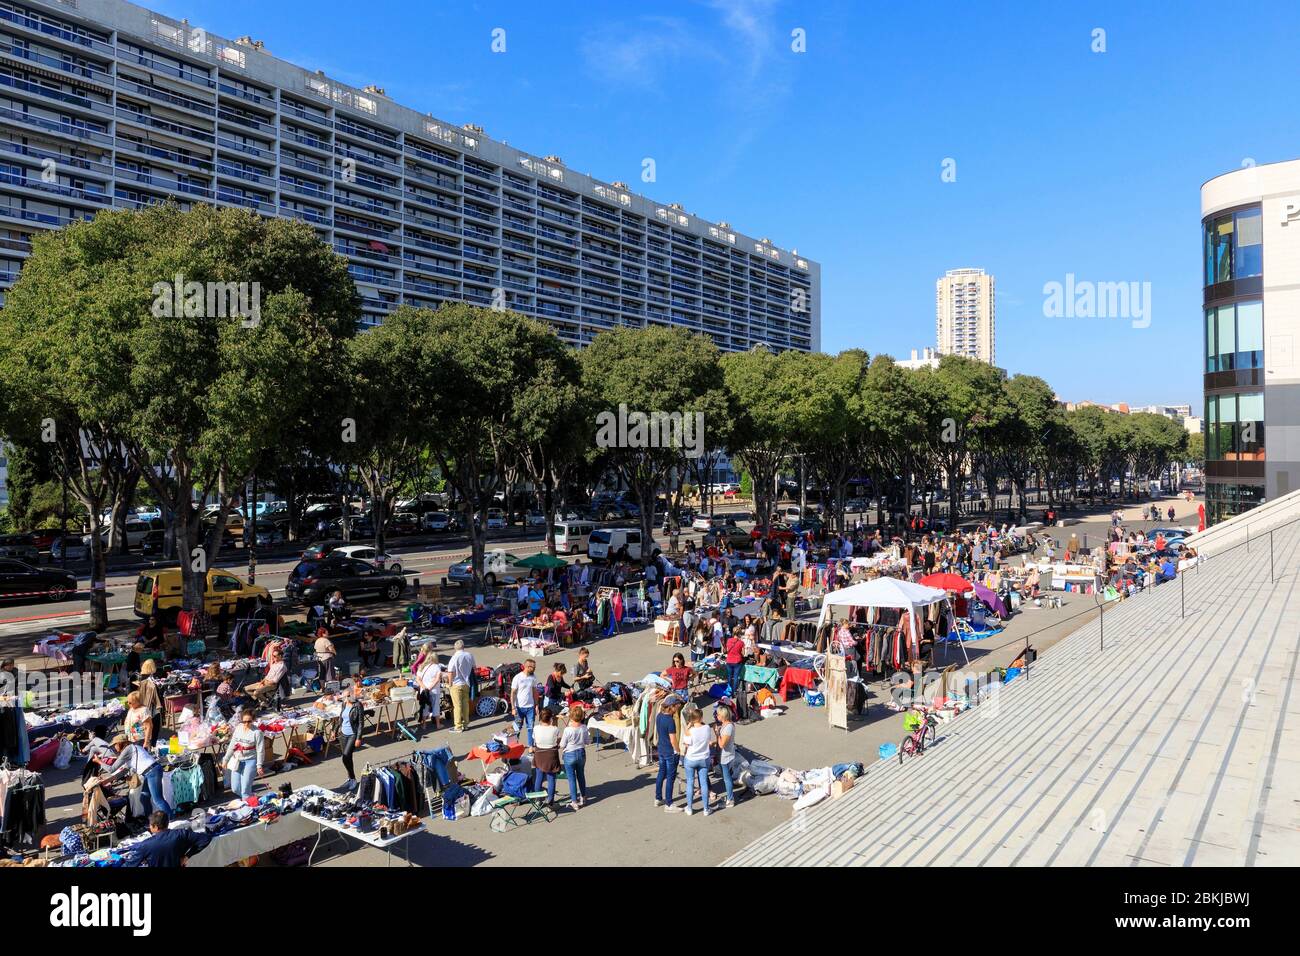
696 740
726 737
546 753
138 722
573 752
244 755
430 680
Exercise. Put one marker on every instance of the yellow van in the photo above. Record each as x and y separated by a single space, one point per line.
161 591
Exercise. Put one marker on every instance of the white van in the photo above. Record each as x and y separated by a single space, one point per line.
789 513
571 536
605 543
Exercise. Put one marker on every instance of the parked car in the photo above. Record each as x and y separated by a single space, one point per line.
534 519
20 546
359 526
269 535
498 565
777 532
496 519
312 582
442 521
571 535
367 552
159 591
154 543
70 549
136 529
712 522
730 535
606 543
404 522
43 538
319 549
20 580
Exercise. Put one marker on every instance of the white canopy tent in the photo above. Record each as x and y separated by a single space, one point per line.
884 592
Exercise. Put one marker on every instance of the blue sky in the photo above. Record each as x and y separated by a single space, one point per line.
1067 160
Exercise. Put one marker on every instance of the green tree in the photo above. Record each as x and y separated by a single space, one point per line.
646 371
133 310
763 389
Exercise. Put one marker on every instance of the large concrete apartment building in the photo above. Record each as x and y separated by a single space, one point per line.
965 315
106 104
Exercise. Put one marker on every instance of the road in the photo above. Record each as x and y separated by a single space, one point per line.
421 559
427 562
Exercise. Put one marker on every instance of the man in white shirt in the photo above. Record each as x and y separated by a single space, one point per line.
461 666
523 698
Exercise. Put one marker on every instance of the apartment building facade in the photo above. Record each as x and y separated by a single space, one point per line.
965 315
106 104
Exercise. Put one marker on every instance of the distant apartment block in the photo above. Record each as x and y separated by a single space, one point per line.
928 358
106 104
965 315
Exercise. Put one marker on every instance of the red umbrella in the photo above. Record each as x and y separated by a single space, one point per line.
947 581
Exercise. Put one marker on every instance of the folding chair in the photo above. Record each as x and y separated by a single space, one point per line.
512 812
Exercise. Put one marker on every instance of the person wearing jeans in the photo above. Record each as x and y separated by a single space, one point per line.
244 755
667 744
696 740
726 736
132 758
573 750
351 719
735 663
523 698
546 755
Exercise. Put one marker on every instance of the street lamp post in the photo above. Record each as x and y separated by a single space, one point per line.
250 533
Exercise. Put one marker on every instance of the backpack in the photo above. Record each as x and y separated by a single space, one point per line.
514 784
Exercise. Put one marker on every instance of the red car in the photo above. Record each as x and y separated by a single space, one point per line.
778 532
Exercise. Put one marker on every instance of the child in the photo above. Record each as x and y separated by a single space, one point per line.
699 641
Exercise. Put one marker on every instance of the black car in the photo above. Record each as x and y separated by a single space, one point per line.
312 582
20 581
154 543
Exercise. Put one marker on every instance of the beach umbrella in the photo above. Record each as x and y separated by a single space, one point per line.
947 581
543 562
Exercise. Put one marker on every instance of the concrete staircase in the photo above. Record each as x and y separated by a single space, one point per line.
1176 744
1256 523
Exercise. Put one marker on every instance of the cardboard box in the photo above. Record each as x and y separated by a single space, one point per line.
840 787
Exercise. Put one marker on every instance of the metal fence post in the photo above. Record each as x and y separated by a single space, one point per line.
1102 621
1182 597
